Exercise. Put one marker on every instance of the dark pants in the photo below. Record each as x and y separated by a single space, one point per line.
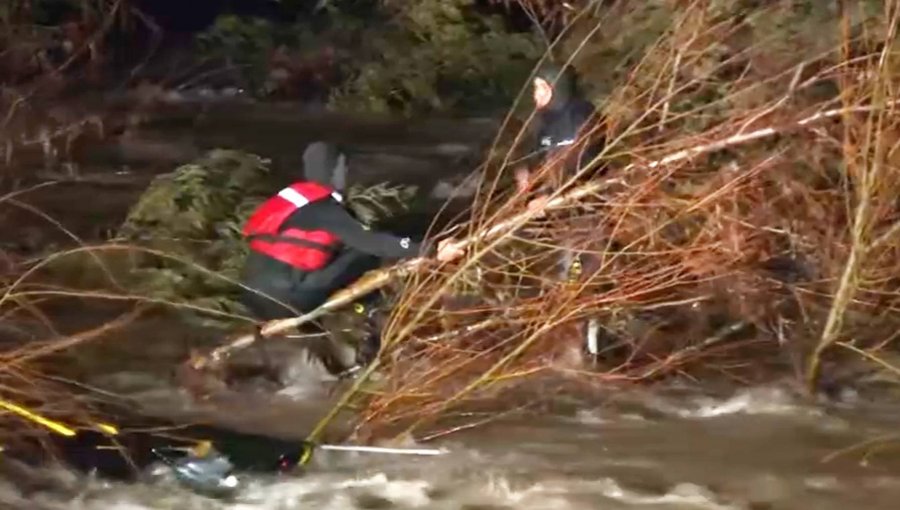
279 291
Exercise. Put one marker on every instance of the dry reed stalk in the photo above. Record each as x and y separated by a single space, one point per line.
656 247
379 278
867 151
508 226
20 379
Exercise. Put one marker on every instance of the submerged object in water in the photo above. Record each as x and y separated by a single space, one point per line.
209 455
185 452
210 474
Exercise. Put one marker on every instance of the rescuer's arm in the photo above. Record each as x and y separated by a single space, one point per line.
331 216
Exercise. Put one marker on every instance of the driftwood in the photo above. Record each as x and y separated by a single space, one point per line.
379 278
369 282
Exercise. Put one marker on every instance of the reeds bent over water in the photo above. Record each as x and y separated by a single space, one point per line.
746 225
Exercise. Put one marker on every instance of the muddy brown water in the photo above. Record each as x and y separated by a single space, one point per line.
695 448
753 449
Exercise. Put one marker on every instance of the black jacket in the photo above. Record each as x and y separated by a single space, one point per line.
562 124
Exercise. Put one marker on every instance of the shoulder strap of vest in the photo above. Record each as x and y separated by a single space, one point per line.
319 192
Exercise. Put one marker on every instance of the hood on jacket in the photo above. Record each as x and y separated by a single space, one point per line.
563 83
323 163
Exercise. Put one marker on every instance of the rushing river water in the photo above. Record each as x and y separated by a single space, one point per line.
754 449
748 449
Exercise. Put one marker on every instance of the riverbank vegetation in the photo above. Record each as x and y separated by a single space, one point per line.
744 229
746 226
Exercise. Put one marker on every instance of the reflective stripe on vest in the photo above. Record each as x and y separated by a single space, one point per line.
294 197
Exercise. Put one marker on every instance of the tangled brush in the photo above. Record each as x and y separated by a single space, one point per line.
745 225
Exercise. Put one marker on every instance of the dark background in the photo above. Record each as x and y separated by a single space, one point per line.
188 16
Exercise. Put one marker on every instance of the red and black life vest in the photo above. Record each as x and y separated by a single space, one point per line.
307 250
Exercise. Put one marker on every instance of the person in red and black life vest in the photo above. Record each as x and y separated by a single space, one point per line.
305 246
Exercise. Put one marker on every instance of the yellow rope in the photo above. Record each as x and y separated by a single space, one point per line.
55 426
107 428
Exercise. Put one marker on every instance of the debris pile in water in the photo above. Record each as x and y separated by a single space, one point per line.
748 214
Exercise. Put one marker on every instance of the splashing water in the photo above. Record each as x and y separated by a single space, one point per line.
756 448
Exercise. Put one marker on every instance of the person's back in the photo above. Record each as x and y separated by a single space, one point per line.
305 246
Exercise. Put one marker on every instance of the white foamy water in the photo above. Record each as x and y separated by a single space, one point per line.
380 490
763 400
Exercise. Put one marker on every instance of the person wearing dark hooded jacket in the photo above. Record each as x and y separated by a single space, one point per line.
305 246
562 122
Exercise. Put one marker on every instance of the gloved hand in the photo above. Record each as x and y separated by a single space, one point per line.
448 250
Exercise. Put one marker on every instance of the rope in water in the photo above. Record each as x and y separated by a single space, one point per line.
204 446
53 425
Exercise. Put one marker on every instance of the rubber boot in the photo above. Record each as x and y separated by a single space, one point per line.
370 343
323 350
571 271
369 347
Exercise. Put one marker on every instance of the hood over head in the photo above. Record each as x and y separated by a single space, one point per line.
323 163
563 82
